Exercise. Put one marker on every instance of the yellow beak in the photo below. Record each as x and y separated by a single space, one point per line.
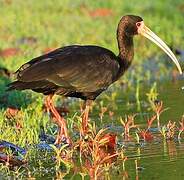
146 32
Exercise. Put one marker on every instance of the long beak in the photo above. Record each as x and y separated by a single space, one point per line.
146 32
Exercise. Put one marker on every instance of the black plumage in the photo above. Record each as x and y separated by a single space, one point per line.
76 71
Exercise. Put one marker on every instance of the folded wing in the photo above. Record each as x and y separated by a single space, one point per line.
79 68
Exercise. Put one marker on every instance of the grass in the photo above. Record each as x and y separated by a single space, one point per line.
52 24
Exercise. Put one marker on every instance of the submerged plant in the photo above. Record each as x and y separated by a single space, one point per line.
128 124
163 131
123 158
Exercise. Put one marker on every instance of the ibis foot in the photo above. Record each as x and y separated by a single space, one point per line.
85 117
59 120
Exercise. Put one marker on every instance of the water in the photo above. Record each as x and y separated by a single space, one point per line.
159 158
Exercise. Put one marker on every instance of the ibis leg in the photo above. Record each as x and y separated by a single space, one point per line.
61 122
85 115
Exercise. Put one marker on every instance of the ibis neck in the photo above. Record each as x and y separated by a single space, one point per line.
126 49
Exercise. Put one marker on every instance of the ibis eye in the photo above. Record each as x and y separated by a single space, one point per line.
138 24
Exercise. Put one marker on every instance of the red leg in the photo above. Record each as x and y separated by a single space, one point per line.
63 133
85 116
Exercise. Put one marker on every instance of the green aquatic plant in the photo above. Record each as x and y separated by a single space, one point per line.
137 95
163 131
123 158
152 95
63 157
137 138
156 106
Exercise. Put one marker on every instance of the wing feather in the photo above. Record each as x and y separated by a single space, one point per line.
84 68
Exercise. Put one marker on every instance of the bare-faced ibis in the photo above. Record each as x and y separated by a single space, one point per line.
84 71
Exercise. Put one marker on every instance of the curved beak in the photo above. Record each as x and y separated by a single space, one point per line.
146 32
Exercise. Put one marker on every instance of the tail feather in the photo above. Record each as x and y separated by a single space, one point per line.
44 87
18 85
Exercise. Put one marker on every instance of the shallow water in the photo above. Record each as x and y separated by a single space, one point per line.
172 95
162 160
159 158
